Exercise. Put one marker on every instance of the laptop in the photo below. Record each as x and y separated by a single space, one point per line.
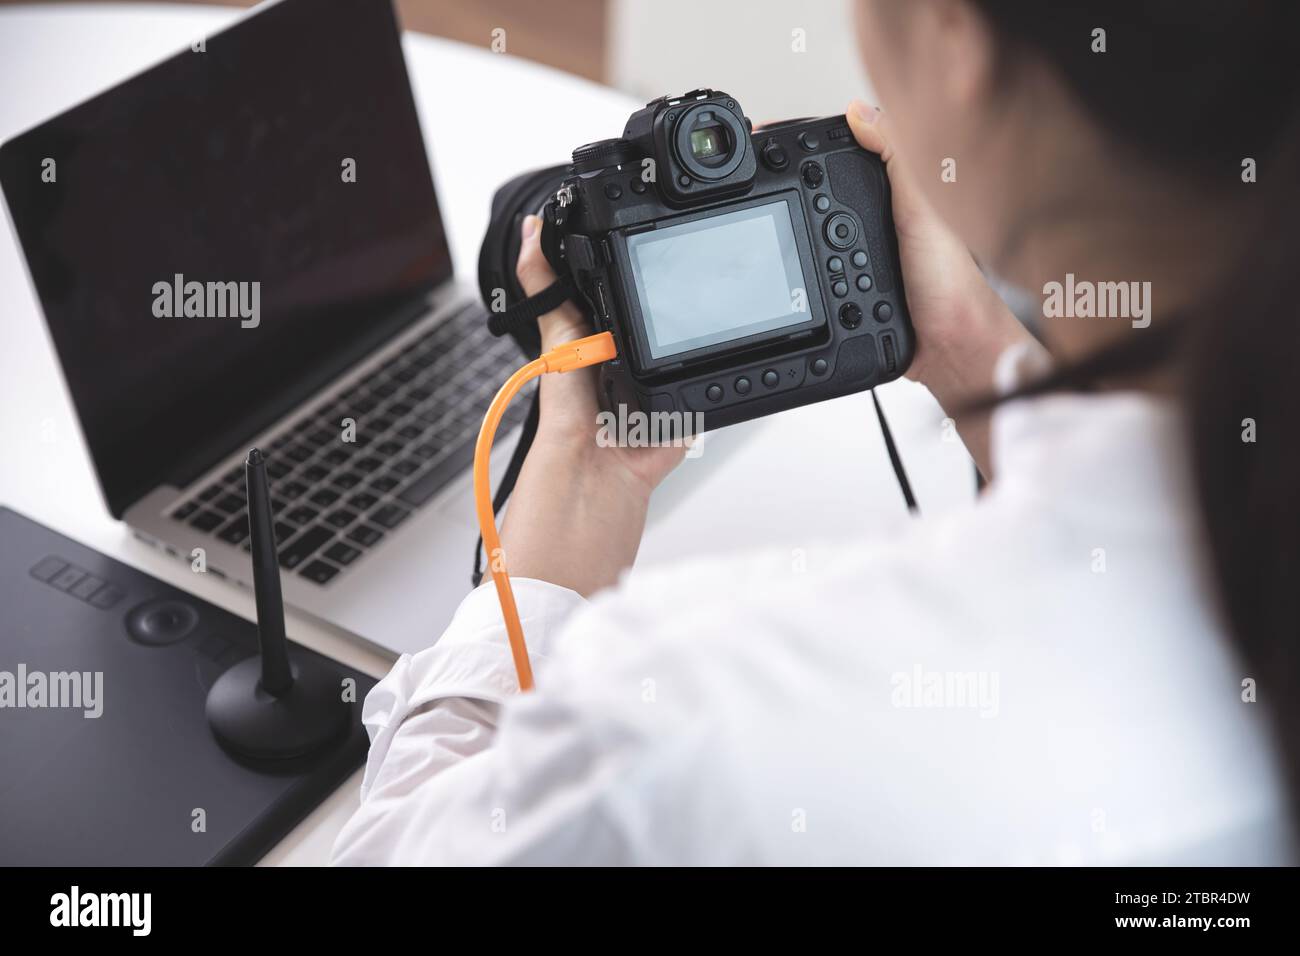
242 246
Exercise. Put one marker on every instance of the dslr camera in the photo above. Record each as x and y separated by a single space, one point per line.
742 272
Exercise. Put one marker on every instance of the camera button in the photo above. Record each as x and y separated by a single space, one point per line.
742 386
841 231
638 186
884 312
713 393
613 191
835 264
812 175
864 283
810 141
774 156
841 289
860 259
850 315
819 366
771 379
821 204
683 180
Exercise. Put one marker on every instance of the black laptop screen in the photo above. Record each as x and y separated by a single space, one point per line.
215 238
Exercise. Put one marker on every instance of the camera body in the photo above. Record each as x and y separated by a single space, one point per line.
741 273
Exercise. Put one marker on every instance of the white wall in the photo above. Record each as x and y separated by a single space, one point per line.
743 47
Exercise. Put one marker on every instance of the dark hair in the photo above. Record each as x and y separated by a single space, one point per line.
1198 86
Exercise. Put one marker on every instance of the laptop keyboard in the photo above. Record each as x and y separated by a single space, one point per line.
417 418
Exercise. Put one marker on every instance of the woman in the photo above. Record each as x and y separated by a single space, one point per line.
1082 667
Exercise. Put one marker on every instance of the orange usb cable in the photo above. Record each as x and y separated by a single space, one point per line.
579 353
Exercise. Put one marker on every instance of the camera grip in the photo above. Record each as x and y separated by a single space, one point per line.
858 181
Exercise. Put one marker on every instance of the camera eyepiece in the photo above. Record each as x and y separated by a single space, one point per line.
709 141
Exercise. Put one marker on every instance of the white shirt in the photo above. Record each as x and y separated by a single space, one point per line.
1039 679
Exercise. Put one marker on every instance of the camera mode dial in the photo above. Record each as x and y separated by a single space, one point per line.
602 154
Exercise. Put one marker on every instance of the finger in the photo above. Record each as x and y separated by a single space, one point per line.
871 130
535 274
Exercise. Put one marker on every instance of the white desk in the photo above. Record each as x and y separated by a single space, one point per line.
520 115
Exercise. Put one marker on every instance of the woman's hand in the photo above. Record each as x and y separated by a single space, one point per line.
962 326
578 509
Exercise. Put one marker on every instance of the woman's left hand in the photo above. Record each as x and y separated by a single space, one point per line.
578 509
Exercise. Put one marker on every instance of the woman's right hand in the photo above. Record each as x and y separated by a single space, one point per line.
961 324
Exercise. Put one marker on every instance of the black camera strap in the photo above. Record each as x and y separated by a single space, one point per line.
527 311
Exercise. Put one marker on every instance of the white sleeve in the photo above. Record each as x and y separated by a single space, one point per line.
431 791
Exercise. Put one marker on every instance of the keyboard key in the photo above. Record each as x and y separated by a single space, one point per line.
207 521
347 480
315 473
368 464
427 450
409 432
337 456
324 497
341 553
321 436
278 468
363 405
363 501
236 531
294 489
283 532
185 510
210 492
302 515
406 467
319 571
379 425
385 390
233 475
399 409
390 448
299 453
390 516
424 487
278 505
230 503
365 535
384 483
304 545
341 518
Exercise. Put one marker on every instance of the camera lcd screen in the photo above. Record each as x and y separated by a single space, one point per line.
719 279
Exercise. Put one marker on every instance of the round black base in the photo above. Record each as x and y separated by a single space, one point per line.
254 724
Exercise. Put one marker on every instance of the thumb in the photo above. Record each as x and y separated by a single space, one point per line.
532 269
871 130
535 274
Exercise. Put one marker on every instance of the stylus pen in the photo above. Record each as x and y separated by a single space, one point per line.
276 676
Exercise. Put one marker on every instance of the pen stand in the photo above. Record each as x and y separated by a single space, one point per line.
298 722
271 707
